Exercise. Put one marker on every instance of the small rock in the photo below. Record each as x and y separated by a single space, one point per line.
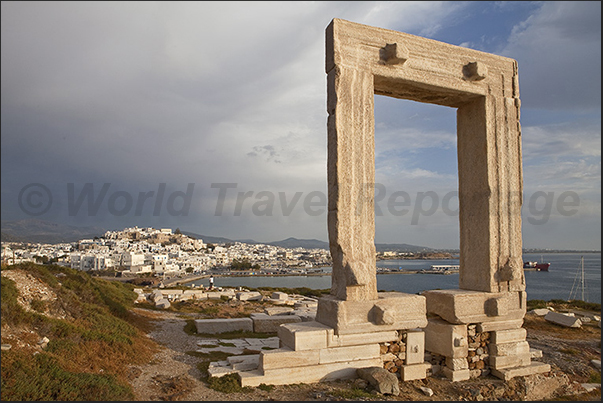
596 363
539 311
589 387
394 348
427 391
6 347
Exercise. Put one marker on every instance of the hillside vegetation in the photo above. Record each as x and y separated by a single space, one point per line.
91 335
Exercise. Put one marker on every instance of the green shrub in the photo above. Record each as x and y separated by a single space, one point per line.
536 304
12 312
595 377
100 334
266 388
38 305
228 383
42 377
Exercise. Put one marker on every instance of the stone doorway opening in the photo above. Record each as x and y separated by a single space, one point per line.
416 174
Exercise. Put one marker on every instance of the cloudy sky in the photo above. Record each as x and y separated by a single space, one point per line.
211 117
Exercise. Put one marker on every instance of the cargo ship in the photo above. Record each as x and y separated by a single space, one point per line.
536 266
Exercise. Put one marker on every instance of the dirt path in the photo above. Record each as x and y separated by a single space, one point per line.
173 374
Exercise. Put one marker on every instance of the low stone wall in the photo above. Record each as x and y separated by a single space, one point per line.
477 355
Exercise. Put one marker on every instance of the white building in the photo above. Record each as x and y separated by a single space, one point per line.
87 262
129 259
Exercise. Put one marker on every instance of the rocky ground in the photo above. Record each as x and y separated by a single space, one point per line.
174 372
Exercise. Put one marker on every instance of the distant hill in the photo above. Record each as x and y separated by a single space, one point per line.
301 243
309 243
34 230
401 247
285 243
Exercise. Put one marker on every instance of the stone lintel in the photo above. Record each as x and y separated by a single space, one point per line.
427 67
466 306
390 311
532 369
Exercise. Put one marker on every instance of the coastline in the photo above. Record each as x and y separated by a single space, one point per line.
184 281
189 279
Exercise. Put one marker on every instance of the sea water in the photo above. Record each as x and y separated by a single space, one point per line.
564 273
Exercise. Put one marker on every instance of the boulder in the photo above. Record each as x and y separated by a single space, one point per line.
249 296
162 303
280 296
381 379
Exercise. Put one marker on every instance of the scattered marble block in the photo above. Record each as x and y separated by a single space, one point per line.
563 320
214 326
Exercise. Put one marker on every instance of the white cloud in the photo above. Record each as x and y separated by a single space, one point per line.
558 49
562 156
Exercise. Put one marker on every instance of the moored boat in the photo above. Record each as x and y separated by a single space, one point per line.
537 266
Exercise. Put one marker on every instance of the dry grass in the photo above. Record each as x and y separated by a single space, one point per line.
89 352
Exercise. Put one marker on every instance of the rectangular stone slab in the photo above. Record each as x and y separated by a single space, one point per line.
563 320
509 373
391 311
286 358
264 323
465 306
215 326
414 371
446 339
508 336
357 339
415 347
306 374
303 336
351 353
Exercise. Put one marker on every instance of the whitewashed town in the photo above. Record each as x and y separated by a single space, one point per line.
167 253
